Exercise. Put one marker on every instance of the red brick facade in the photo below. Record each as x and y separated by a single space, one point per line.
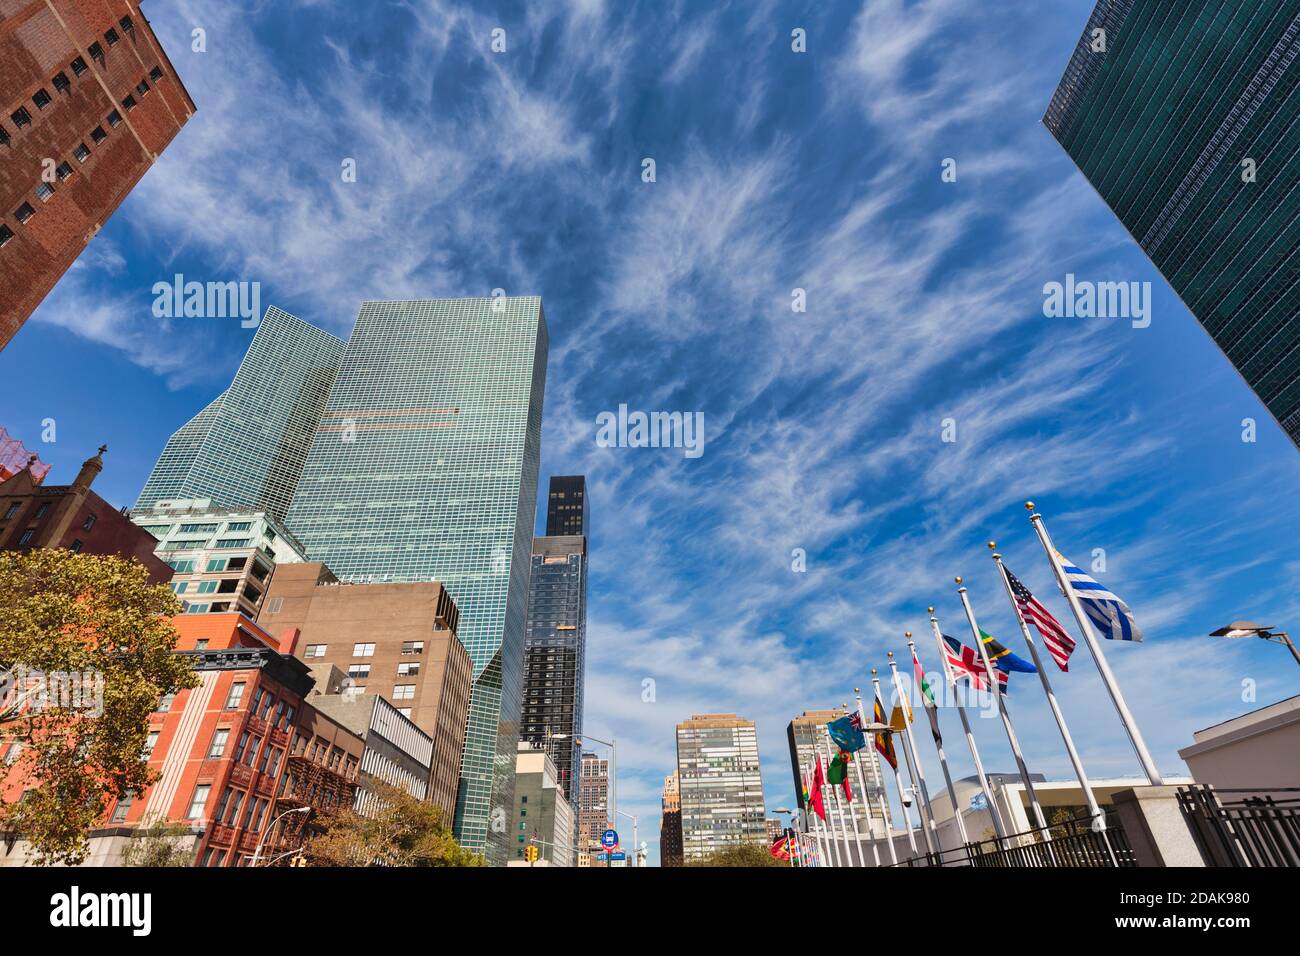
67 69
72 516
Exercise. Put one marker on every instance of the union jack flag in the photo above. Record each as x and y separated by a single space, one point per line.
967 662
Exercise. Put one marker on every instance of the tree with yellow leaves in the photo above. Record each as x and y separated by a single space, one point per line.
86 654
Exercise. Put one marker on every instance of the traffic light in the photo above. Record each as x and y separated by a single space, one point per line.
298 861
530 854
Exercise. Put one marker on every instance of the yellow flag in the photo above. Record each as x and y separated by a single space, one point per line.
896 718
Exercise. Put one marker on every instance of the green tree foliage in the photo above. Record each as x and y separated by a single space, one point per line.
160 843
401 831
747 854
65 614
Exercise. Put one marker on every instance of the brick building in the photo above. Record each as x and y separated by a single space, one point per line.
34 515
233 754
88 101
397 641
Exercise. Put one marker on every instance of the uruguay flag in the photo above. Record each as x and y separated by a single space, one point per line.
1108 613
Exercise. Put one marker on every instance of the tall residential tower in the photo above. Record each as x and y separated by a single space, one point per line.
424 467
721 785
556 638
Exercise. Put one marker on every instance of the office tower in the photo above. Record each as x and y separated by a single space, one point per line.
670 823
593 805
1181 117
721 785
543 816
566 506
247 448
89 102
424 467
221 558
806 736
37 515
555 640
395 641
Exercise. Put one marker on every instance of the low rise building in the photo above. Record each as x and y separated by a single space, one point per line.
543 816
396 641
36 515
243 759
1258 751
396 751
222 559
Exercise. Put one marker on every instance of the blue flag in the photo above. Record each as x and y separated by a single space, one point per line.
1002 658
847 733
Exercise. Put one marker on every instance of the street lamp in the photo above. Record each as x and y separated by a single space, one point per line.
793 829
257 852
613 764
636 845
1265 631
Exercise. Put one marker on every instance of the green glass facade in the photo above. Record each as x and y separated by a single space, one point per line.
247 448
424 467
1167 124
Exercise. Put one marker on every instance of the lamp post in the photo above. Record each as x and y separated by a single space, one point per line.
1264 631
787 811
613 765
636 845
257 852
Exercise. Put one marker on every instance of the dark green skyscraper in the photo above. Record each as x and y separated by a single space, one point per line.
1185 117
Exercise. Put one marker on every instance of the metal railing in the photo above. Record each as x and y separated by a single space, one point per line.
1069 843
1262 829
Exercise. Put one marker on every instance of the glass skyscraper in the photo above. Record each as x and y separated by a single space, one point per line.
247 448
556 638
1182 116
566 505
424 467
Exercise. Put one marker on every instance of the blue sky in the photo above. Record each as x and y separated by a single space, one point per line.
775 171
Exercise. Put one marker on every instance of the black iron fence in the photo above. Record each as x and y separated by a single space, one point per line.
1232 829
1071 843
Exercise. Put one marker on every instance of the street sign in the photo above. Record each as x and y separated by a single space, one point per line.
615 856
609 839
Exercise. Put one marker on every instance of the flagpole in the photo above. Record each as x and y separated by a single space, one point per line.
909 741
818 822
878 791
848 799
862 787
898 782
838 812
829 822
965 723
1098 818
1112 686
928 705
996 690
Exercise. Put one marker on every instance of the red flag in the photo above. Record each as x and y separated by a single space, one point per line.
781 848
815 797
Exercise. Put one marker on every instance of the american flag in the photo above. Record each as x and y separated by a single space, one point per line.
1059 644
